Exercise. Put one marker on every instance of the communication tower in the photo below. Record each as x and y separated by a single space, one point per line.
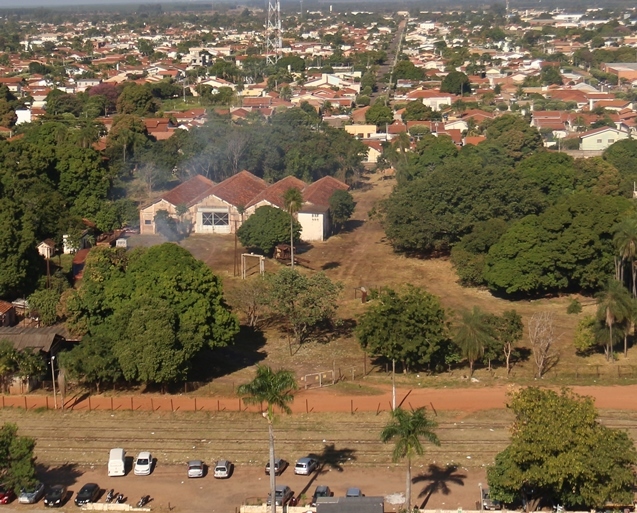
273 33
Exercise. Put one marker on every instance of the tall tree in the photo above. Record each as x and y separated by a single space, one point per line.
293 201
613 306
17 463
408 325
406 429
625 241
572 460
276 389
301 301
472 335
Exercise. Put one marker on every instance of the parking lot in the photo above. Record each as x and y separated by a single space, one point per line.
171 490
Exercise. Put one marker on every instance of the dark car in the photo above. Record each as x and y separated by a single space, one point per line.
282 495
6 494
489 503
321 491
279 466
88 493
54 498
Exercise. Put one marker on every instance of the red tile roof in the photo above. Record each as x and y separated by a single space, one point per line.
5 307
239 189
190 192
474 139
274 193
320 192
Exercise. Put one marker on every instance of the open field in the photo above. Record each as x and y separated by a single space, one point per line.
361 256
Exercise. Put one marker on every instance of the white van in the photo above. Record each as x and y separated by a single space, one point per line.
117 463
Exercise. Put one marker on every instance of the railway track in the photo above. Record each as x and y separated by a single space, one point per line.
85 439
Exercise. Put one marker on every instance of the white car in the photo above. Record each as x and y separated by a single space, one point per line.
305 466
143 464
195 468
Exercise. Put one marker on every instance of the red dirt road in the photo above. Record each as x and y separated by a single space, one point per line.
325 400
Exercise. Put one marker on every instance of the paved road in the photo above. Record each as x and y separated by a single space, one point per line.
392 56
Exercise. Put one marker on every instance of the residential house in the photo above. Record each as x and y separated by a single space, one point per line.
46 248
601 138
361 131
7 314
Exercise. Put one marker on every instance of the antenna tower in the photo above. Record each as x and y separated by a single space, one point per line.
273 33
507 9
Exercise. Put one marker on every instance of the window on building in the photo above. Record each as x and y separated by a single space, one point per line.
220 219
599 141
206 218
315 217
611 141
148 221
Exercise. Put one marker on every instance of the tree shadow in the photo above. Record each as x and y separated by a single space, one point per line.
351 225
330 265
330 458
330 330
245 352
67 474
439 479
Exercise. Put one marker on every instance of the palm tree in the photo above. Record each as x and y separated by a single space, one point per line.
406 429
472 335
275 388
293 200
613 306
625 241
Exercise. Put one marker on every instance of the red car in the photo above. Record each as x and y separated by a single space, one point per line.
6 494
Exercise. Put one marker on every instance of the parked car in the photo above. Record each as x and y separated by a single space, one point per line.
90 492
143 464
282 495
354 492
54 498
223 469
31 494
6 494
487 502
321 491
305 466
195 468
279 466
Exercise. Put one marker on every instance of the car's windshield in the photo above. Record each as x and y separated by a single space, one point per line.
142 461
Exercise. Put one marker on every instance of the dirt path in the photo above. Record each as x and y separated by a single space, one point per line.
325 400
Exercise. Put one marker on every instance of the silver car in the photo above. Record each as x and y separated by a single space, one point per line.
31 494
195 468
305 466
223 469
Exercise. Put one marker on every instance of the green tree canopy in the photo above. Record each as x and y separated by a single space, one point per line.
456 82
17 462
342 207
568 247
430 214
570 459
379 114
408 325
160 307
266 228
302 301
